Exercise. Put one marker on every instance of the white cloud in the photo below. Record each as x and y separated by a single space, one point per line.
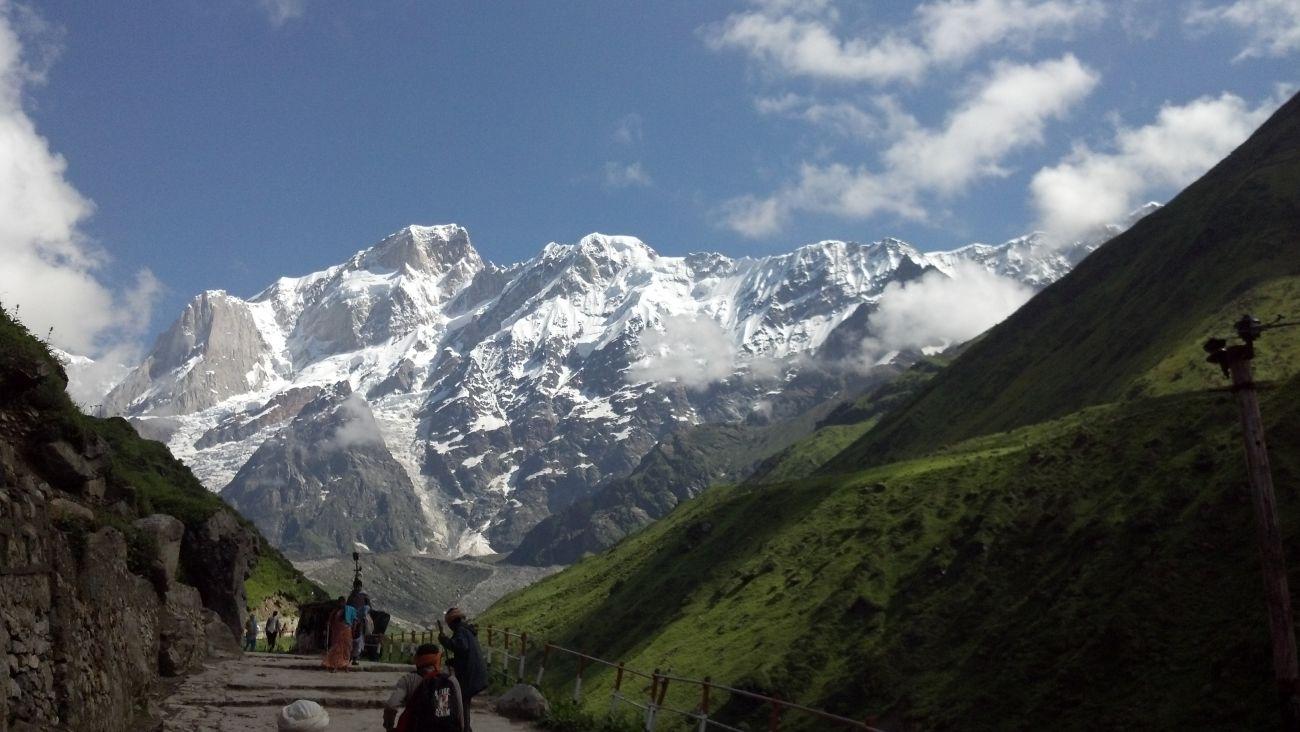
1008 112
626 175
845 119
628 130
808 47
955 30
1005 113
937 311
1273 26
1090 187
692 351
359 426
280 12
50 267
800 39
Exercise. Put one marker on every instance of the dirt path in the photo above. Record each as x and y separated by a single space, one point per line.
246 693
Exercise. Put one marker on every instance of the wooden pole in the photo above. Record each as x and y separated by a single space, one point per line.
1277 594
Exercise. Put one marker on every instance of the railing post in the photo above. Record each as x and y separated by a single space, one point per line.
650 705
523 651
505 655
546 656
704 705
489 643
774 722
617 694
577 680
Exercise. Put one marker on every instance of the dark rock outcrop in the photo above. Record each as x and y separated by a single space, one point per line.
327 482
217 559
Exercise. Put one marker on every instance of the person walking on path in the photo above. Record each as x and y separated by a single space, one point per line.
359 629
272 630
429 697
250 631
340 635
466 657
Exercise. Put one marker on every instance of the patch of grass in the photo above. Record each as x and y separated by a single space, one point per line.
273 576
161 483
567 716
1277 356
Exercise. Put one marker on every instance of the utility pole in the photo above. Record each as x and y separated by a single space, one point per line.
1235 362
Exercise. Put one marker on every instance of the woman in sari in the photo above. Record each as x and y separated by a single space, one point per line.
339 654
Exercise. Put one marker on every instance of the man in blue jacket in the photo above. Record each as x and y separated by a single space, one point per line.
466 658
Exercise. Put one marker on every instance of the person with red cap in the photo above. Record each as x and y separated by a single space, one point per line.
466 658
429 697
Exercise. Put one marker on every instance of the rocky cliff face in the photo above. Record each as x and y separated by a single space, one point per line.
92 607
506 393
326 484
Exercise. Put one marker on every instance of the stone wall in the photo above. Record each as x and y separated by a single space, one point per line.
86 640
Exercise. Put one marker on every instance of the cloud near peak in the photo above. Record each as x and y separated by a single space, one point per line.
1090 187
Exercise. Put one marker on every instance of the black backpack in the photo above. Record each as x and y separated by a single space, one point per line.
435 705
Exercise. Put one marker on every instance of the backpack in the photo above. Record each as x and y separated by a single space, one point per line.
434 706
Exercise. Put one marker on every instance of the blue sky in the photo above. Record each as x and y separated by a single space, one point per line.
190 145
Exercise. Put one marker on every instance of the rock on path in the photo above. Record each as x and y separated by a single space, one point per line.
246 693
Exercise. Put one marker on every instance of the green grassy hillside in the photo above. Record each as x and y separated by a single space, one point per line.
1099 333
1096 571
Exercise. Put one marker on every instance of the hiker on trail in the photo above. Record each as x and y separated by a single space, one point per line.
359 627
272 630
250 631
340 635
429 697
466 658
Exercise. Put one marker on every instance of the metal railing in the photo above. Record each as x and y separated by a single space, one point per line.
399 647
508 660
652 700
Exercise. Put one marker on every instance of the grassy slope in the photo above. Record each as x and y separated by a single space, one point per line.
846 424
158 483
1104 560
1148 293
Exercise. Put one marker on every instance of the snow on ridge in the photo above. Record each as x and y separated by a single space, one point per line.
531 360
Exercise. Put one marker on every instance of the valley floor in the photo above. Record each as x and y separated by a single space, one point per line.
416 589
246 693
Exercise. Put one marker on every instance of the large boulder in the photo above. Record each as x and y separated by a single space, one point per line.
167 531
218 557
79 470
522 701
220 643
182 632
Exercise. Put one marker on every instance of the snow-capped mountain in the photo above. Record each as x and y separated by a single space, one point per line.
503 393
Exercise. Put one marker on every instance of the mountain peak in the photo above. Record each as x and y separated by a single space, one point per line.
430 249
614 246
